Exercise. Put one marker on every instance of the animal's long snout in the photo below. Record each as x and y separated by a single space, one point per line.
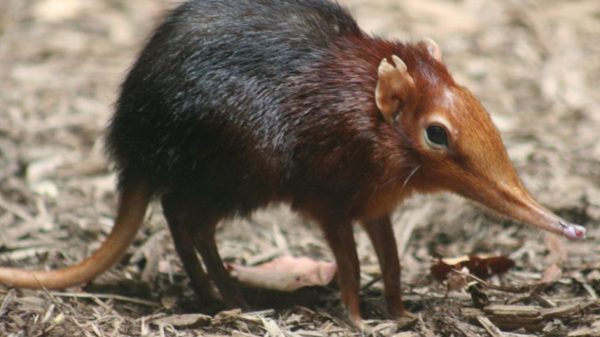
516 203
532 213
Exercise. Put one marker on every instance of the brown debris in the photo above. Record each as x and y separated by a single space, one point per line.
480 266
531 317
184 321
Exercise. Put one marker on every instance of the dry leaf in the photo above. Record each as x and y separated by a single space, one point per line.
482 267
286 273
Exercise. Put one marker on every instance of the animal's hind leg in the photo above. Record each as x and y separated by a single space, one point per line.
193 226
179 225
204 237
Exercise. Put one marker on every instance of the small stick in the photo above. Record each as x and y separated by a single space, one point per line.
107 296
369 284
15 210
489 326
509 289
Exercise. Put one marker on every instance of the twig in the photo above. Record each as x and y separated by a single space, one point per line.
489 326
509 289
107 296
15 210
369 284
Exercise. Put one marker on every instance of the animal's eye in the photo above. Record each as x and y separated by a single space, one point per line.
436 136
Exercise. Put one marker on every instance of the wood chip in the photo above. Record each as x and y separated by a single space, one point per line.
186 320
6 301
534 65
585 332
406 334
489 327
272 329
512 310
565 310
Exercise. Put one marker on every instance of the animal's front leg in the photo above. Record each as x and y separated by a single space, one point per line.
382 236
341 240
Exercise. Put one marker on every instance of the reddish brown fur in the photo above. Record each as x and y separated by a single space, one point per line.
475 164
397 152
390 165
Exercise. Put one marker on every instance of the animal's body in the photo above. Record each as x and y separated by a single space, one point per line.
235 104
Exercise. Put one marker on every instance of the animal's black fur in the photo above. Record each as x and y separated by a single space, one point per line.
241 102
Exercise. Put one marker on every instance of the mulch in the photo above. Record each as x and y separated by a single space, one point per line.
533 63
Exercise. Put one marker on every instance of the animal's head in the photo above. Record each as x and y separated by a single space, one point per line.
459 148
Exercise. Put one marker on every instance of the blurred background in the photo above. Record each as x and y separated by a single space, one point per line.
535 65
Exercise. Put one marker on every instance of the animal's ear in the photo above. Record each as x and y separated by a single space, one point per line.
432 48
394 85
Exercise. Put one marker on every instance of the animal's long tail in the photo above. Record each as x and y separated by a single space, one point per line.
133 202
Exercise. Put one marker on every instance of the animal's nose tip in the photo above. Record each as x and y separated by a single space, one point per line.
573 231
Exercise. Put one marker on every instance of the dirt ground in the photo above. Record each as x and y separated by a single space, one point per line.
535 65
